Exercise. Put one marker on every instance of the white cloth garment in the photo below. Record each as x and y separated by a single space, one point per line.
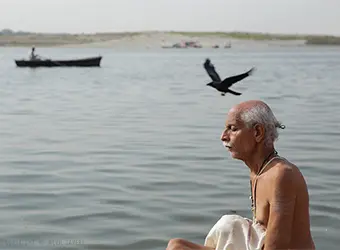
233 232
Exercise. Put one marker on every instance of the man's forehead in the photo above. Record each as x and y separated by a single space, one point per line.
233 113
233 116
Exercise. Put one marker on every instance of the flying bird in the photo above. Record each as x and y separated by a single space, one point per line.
223 86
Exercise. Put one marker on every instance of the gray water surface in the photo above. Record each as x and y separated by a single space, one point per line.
128 155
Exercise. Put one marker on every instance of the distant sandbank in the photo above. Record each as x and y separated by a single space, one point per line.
159 39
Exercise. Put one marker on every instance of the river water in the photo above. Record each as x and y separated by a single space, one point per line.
128 155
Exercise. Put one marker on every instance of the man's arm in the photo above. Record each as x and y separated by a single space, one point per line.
282 203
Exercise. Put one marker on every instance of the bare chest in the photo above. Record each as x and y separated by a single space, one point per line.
260 200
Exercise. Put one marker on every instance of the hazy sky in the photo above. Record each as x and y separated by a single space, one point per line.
76 16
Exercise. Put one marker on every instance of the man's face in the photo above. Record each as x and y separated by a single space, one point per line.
239 139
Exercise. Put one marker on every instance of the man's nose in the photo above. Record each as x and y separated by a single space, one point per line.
225 135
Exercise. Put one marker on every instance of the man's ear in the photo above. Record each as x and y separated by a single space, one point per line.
259 132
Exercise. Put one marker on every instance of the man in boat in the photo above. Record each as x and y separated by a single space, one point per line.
33 56
280 199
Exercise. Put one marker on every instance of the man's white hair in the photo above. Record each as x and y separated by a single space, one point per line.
261 114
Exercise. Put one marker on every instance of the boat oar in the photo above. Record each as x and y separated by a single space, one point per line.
56 63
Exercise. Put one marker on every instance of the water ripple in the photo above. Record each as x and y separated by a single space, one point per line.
91 160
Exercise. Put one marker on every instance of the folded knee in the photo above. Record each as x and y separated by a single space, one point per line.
176 244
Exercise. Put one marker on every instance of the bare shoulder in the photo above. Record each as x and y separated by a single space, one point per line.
287 176
285 170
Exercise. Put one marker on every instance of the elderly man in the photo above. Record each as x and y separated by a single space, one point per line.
280 200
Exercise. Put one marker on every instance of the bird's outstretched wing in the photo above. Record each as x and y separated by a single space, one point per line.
229 81
209 67
233 92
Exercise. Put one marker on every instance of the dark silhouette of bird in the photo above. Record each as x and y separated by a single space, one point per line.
223 86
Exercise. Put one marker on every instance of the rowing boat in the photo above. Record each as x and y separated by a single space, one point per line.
85 62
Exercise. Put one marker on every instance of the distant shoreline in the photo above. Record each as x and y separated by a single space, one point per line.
157 38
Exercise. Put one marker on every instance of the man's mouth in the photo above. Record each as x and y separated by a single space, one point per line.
226 145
